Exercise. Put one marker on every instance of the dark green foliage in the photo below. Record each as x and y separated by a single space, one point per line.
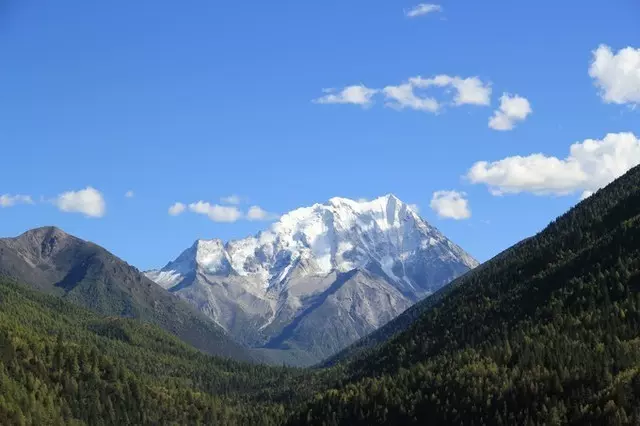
61 364
546 333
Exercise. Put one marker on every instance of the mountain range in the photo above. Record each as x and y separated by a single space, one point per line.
547 332
314 282
319 278
54 262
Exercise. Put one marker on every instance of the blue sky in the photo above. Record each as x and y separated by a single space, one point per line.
195 101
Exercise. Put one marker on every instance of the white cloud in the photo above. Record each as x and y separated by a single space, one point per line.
231 199
423 9
129 194
513 109
590 165
411 94
88 201
216 212
617 75
403 96
8 200
357 95
177 209
415 208
586 194
469 91
222 213
258 213
450 205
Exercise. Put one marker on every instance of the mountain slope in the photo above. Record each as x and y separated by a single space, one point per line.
545 333
319 278
62 364
52 261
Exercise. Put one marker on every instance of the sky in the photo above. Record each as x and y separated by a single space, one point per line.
142 126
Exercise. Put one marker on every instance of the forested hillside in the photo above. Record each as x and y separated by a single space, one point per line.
546 333
52 261
61 364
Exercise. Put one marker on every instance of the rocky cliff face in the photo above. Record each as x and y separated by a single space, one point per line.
319 278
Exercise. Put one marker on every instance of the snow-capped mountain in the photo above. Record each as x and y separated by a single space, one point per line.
319 278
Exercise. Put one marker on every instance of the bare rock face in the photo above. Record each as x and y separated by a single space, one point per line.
320 278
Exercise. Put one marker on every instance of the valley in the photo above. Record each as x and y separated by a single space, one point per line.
556 314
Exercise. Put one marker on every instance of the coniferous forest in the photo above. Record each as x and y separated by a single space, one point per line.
548 332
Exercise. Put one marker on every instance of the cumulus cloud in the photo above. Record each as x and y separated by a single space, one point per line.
411 94
423 9
357 95
468 91
177 209
129 194
258 213
513 109
8 200
215 212
450 205
617 75
590 165
88 201
231 199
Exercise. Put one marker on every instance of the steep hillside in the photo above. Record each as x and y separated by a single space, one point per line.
55 262
548 332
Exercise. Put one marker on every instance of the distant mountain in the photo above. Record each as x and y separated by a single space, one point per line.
55 262
320 278
547 332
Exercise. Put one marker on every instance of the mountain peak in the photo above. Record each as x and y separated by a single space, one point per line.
45 232
338 236
384 199
211 256
364 260
45 241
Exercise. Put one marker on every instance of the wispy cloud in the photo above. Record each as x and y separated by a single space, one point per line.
231 199
423 9
413 93
216 212
8 200
256 213
177 209
403 96
222 213
356 95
